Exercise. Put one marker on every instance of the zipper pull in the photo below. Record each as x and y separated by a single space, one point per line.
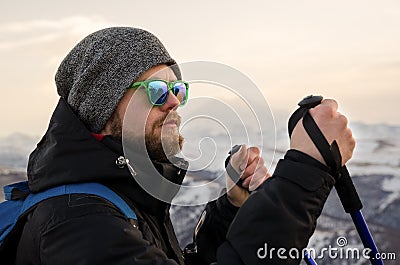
121 162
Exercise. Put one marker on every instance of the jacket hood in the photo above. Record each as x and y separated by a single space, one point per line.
69 153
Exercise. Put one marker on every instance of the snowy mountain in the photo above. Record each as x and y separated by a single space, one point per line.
15 149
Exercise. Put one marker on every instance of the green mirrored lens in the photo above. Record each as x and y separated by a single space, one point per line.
179 91
158 92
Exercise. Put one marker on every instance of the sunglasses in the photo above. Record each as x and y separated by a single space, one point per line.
158 90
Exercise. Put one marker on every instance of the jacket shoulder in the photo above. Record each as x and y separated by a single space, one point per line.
84 229
59 209
67 223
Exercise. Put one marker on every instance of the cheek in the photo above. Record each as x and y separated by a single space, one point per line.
149 127
151 120
139 113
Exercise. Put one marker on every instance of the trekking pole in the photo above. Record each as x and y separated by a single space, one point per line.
344 185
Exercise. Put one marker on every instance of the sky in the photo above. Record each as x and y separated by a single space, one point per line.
347 50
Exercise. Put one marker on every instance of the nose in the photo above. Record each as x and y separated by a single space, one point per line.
171 104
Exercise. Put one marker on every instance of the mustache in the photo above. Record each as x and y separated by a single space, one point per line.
172 116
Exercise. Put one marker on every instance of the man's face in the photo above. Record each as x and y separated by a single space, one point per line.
158 125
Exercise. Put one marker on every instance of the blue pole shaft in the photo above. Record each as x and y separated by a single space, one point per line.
308 259
366 237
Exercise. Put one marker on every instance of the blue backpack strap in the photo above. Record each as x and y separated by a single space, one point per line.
12 209
9 189
9 214
80 188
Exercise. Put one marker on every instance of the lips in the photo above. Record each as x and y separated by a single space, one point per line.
171 122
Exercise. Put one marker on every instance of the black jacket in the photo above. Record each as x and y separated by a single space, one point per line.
85 229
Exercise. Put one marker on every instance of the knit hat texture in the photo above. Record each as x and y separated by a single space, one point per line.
94 76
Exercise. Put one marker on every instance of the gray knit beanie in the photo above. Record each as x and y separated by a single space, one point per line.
94 76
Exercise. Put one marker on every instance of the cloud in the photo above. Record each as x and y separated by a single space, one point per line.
23 34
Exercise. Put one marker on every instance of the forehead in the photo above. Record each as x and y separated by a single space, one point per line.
158 72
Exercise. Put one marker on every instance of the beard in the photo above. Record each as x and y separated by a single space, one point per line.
161 141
